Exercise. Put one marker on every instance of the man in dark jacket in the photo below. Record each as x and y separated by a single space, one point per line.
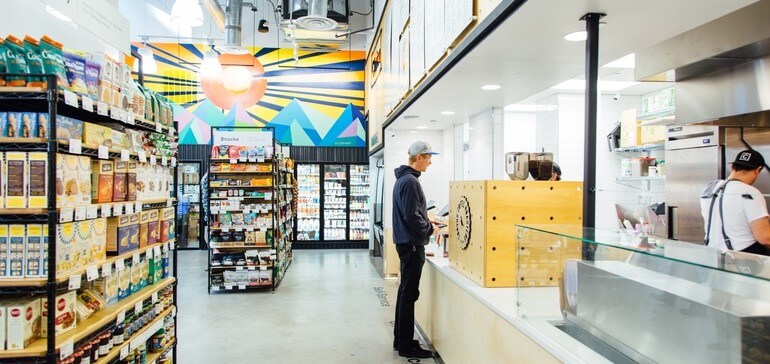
411 230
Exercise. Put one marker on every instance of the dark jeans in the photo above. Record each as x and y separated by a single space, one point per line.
757 248
412 259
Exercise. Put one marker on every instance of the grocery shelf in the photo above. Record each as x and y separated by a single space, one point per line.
26 89
95 322
152 358
240 187
7 211
115 351
252 268
92 150
227 160
641 148
244 228
235 287
242 172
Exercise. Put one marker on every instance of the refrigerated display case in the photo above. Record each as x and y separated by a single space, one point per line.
335 183
359 202
190 192
309 202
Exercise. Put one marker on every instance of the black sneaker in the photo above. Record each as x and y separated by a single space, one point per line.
414 343
416 352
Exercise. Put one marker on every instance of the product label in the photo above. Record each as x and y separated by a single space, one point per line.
15 182
37 180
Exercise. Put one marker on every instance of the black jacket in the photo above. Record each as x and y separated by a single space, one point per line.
410 216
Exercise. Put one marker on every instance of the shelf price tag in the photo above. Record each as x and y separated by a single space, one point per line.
250 229
138 307
239 228
268 195
261 159
228 286
80 213
104 152
137 257
124 351
239 268
154 297
164 161
70 98
67 349
130 118
171 246
75 281
233 161
252 268
241 286
241 159
173 161
120 264
106 210
142 156
169 203
106 269
165 247
92 212
115 113
66 214
92 273
118 210
76 146
139 207
129 208
153 160
157 251
262 267
252 159
88 103
102 108
149 254
125 155
121 317
225 229
158 127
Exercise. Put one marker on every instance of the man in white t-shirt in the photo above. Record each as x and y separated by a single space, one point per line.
734 212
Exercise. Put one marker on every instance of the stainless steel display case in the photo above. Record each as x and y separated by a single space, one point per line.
634 298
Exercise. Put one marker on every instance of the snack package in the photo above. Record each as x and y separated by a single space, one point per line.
68 128
16 180
92 79
16 61
37 187
5 251
76 72
23 322
101 179
120 181
34 62
28 127
3 69
42 124
65 313
17 239
138 102
53 60
13 126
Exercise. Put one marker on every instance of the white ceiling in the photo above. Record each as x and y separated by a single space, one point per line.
527 54
151 17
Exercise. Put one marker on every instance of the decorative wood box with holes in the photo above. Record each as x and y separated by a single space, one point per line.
482 230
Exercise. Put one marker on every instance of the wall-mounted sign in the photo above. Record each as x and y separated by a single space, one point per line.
252 138
99 18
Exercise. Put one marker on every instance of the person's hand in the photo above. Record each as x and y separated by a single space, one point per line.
435 228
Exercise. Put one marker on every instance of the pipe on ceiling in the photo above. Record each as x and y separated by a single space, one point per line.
217 13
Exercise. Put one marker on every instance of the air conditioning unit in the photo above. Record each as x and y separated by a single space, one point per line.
316 14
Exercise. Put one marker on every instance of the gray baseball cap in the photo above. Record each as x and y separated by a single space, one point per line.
420 147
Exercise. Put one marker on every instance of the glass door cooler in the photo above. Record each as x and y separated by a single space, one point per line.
335 201
190 188
308 202
359 202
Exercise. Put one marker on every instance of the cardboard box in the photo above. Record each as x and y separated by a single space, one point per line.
144 219
43 121
23 322
32 251
115 95
144 280
66 244
68 128
3 177
131 181
3 319
66 319
107 288
16 180
101 181
3 124
652 134
5 253
44 253
67 189
98 239
120 180
17 240
629 129
13 126
122 234
124 283
167 224
83 233
28 127
105 91
84 181
153 227
97 135
156 270
38 180
136 277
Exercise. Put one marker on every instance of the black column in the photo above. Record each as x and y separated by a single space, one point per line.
591 106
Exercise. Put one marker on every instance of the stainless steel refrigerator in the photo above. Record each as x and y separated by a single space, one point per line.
696 155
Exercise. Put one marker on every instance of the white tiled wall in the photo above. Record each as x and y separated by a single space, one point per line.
571 136
519 129
485 151
434 181
547 126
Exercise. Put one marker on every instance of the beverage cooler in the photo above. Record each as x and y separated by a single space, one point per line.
189 219
333 202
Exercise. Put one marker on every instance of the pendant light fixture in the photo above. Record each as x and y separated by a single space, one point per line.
210 66
149 66
187 13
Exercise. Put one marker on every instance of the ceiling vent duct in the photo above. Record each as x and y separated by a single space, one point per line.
319 15
228 20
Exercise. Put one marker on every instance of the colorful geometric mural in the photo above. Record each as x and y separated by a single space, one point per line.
317 102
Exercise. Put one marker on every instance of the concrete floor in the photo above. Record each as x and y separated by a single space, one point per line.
332 307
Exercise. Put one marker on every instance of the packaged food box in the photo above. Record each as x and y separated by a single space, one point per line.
99 238
86 253
115 101
44 253
38 180
3 324
92 79
105 63
136 277
97 135
3 123
88 303
28 126
16 180
120 180
131 180
167 224
5 253
122 234
68 128
144 219
17 239
14 125
32 251
84 181
23 324
66 318
66 241
108 288
138 103
156 270
105 91
124 283
102 181
153 227
76 72
2 179
43 120
66 180
144 279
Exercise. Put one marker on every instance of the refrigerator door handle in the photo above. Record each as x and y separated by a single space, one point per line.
672 225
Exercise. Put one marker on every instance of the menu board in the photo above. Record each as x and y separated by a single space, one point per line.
403 70
416 42
434 32
458 14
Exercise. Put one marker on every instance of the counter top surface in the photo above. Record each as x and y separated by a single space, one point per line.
541 308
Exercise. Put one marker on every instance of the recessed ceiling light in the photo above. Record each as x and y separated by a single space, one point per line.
447 113
581 35
422 127
490 87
